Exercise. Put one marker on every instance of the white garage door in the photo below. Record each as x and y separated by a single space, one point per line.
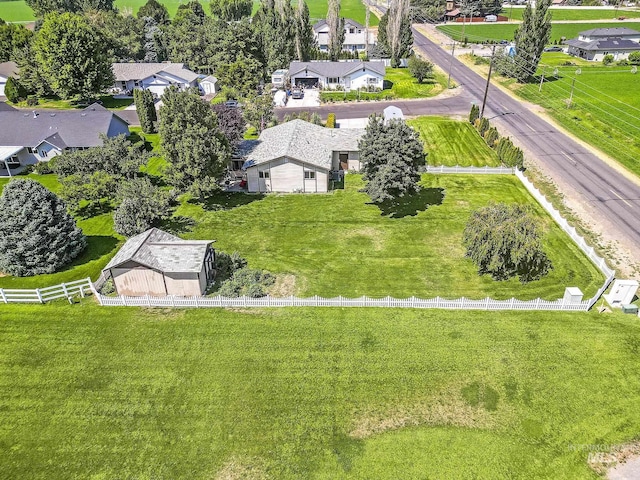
157 89
2 89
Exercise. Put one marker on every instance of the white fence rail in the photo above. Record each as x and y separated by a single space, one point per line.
387 302
42 295
470 170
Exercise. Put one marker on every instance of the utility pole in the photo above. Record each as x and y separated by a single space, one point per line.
573 84
542 79
453 50
486 89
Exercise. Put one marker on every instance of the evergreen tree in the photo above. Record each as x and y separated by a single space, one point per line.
155 10
474 114
192 143
146 110
390 154
530 38
12 37
336 30
37 235
504 242
154 50
14 91
231 10
72 56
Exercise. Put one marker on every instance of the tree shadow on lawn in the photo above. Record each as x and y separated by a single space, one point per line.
227 200
178 224
409 206
97 246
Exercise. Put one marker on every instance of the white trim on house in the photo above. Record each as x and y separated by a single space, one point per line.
356 37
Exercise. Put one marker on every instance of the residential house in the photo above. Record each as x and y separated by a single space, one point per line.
596 43
356 36
156 77
298 156
7 69
28 137
348 75
157 263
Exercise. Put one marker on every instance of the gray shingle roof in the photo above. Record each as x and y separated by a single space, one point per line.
610 32
605 44
318 25
62 128
162 251
8 69
138 71
335 69
300 140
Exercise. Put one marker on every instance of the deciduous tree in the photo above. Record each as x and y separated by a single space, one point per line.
390 154
37 235
231 123
399 36
530 38
43 7
258 111
304 32
72 56
231 10
420 69
336 30
191 141
155 10
12 37
142 206
504 242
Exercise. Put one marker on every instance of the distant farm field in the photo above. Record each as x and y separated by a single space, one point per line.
19 11
504 31
577 13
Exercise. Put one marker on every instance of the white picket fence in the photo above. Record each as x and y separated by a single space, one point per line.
42 295
386 302
470 170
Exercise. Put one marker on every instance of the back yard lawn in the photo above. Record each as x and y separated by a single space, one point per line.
577 13
450 142
91 392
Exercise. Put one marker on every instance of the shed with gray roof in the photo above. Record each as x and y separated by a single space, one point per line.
298 156
158 263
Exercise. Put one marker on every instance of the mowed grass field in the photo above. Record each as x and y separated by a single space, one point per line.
91 392
463 145
19 11
577 13
479 33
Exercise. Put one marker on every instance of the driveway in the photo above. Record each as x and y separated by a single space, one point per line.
311 99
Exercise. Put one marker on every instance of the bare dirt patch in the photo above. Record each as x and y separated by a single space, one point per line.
242 469
285 285
618 462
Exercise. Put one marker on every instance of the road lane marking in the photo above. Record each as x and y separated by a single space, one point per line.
621 198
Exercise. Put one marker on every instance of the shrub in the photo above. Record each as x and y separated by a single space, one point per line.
108 288
247 282
32 101
474 114
14 91
331 120
44 168
419 68
634 58
623 63
509 154
607 60
491 136
504 242
37 235
227 264
482 125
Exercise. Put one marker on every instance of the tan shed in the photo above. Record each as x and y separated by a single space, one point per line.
157 263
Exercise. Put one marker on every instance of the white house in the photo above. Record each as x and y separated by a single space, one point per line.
7 69
209 85
31 136
157 263
350 75
596 43
298 156
356 36
156 77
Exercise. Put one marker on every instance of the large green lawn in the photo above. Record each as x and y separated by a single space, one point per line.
102 393
504 31
19 11
338 244
577 13
450 142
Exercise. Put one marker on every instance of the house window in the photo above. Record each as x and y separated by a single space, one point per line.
136 83
372 80
31 150
13 160
123 84
43 153
352 30
309 174
359 31
263 174
333 80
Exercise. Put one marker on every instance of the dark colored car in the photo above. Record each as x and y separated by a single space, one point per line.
231 103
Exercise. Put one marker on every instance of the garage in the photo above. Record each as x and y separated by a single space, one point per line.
308 82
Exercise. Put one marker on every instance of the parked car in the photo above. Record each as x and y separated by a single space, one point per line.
231 103
553 49
297 93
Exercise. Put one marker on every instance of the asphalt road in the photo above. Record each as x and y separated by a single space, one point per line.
601 188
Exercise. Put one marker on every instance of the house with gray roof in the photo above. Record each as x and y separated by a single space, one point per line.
298 156
7 69
157 263
357 38
596 43
348 75
155 77
31 136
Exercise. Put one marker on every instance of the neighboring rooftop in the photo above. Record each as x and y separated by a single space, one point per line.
303 141
605 44
137 71
610 32
61 128
347 21
335 69
8 69
162 251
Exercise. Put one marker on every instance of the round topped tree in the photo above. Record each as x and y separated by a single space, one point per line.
37 235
